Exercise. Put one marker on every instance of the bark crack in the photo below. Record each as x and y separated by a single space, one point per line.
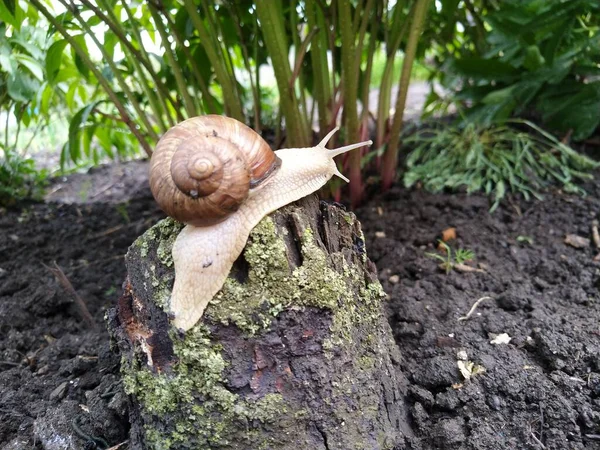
323 435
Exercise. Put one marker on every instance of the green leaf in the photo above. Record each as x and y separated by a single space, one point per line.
199 54
22 87
499 96
70 95
110 40
7 16
6 62
34 66
572 106
54 58
83 69
103 135
33 48
77 123
500 191
481 68
46 98
533 58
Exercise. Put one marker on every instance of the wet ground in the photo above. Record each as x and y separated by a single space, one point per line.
521 372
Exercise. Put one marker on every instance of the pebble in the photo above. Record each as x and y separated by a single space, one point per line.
59 392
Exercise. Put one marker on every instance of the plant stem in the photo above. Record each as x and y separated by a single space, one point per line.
369 69
258 106
6 152
116 72
182 87
233 106
163 94
206 95
350 81
390 158
217 31
253 82
101 79
479 27
299 50
276 42
320 65
361 35
396 35
135 60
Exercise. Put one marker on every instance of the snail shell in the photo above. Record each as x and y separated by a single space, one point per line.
202 169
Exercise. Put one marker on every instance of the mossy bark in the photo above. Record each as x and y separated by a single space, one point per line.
294 352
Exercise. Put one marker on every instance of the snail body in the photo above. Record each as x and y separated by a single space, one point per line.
216 234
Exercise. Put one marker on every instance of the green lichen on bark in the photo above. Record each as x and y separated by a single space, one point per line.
272 286
193 393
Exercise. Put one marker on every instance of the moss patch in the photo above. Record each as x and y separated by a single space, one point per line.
271 286
194 393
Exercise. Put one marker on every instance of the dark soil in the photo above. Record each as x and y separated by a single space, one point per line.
59 385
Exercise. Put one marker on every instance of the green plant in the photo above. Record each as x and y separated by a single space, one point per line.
390 157
450 258
23 99
20 180
494 159
524 58
525 239
125 82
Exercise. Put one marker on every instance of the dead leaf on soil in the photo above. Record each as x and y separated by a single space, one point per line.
449 234
502 338
469 369
577 241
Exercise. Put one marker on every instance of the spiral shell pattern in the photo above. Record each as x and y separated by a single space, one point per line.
202 169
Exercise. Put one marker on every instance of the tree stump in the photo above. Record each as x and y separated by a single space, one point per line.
294 352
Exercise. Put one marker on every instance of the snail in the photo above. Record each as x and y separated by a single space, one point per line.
220 178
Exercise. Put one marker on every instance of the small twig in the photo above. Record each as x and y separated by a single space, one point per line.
108 116
118 445
538 442
473 308
567 137
593 437
109 231
10 363
466 269
66 284
102 190
300 56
